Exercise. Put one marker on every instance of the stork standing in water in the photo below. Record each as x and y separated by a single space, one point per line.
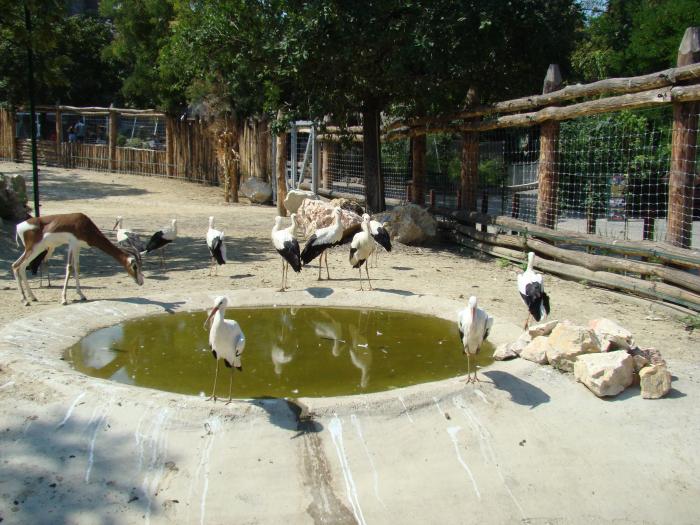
160 239
287 246
321 240
226 341
361 249
380 236
216 245
474 326
531 290
45 233
127 238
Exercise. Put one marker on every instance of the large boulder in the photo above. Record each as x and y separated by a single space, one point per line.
409 224
13 198
567 341
256 190
612 336
605 374
313 215
294 199
655 381
348 204
503 352
536 350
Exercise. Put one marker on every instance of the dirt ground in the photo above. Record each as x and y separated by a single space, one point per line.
147 204
526 445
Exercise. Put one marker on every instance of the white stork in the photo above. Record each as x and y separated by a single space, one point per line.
321 240
160 239
361 249
531 290
474 326
380 236
226 341
216 245
126 237
288 247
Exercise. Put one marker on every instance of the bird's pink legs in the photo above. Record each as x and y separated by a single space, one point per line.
230 386
527 321
368 279
213 392
328 275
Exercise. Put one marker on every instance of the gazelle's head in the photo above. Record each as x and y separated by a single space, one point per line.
118 223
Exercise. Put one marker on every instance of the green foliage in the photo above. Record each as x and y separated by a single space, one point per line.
503 263
691 322
632 37
492 172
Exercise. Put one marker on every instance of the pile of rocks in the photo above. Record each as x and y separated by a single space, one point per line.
315 214
603 356
13 198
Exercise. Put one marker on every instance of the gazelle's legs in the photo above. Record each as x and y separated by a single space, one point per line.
23 276
76 271
69 259
15 270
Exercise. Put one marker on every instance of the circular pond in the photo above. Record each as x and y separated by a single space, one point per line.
290 352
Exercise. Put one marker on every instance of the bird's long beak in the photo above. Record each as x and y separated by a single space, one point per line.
115 225
213 311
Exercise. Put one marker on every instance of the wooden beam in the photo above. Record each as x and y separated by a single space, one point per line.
681 180
663 251
651 289
113 131
281 169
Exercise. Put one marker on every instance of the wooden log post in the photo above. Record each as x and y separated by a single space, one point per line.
59 135
431 198
484 208
169 146
281 169
330 153
683 145
418 168
113 131
409 192
546 170
459 198
469 175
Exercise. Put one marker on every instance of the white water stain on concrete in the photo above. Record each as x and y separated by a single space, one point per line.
7 385
358 428
211 426
97 421
405 409
453 431
486 448
335 427
69 412
156 438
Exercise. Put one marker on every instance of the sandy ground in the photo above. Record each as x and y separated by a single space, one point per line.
531 446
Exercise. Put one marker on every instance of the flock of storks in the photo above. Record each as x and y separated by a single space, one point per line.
41 235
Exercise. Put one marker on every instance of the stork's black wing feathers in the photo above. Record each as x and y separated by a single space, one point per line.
534 298
156 241
312 250
216 251
382 237
349 233
290 253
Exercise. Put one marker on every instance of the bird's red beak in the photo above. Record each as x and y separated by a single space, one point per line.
211 314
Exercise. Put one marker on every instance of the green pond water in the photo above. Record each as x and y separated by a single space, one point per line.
290 352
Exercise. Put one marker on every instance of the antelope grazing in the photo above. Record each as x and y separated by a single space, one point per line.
76 230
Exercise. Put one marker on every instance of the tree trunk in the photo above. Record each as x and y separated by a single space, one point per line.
281 170
371 157
469 175
418 166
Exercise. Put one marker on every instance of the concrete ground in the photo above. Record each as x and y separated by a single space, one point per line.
527 444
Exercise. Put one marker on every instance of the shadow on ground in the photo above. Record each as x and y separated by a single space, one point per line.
521 392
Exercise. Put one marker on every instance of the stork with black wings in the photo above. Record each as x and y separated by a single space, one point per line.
531 290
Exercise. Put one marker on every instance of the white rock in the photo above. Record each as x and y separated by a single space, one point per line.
542 328
612 336
257 190
655 381
536 350
294 199
409 224
567 341
605 374
504 352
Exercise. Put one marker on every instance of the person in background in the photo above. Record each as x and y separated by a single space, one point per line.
80 131
71 134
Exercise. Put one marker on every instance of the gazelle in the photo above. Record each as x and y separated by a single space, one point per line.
76 230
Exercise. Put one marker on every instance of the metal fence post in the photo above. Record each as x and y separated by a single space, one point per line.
314 160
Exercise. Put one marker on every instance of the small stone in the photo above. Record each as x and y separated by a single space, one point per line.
504 352
655 381
605 374
612 336
568 341
639 362
536 350
542 328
